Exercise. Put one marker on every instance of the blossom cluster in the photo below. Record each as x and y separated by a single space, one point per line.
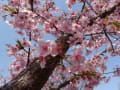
85 40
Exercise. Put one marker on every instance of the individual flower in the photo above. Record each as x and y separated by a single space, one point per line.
26 43
44 47
12 50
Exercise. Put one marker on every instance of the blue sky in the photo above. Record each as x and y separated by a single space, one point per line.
8 36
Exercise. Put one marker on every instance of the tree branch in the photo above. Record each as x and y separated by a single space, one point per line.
83 6
33 77
77 76
104 14
91 7
109 40
28 59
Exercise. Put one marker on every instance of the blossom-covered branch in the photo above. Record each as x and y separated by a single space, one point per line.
44 57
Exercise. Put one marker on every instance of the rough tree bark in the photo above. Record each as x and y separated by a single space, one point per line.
33 77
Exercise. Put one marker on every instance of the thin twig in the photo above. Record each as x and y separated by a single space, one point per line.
117 69
61 85
28 59
109 72
46 20
104 14
109 40
83 6
65 83
91 7
81 87
25 50
99 33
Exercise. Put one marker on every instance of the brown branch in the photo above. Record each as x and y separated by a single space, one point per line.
94 34
31 2
32 9
28 59
104 14
83 6
115 71
67 82
99 33
91 7
33 77
109 40
46 20
25 50
62 85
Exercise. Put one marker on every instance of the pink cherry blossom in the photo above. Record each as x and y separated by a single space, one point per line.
93 38
12 50
44 48
26 43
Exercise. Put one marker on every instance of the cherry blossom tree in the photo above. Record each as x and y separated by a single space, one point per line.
77 58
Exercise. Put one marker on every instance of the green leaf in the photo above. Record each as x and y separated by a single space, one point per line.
53 3
18 42
7 45
105 51
20 45
117 24
93 73
9 9
74 77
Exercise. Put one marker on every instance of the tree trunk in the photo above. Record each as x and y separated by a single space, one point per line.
33 77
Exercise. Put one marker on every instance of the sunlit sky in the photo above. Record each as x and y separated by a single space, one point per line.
8 36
